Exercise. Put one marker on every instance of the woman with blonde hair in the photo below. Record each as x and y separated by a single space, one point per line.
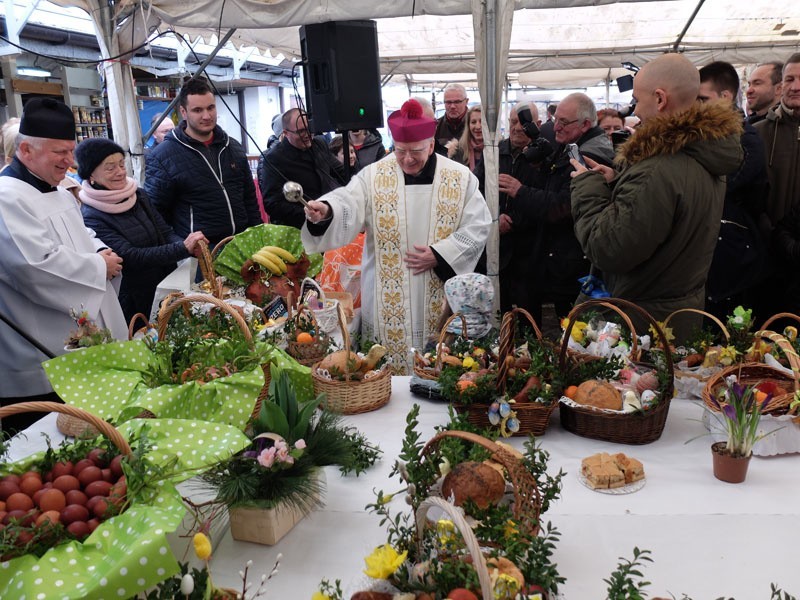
468 149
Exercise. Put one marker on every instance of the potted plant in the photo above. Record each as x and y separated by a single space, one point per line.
739 412
277 480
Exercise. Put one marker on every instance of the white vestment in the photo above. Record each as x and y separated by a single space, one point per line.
48 266
400 309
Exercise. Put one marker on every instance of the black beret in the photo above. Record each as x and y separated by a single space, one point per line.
47 118
92 151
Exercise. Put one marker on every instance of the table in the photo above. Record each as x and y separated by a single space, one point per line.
707 538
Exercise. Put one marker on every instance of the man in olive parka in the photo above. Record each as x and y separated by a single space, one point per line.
652 227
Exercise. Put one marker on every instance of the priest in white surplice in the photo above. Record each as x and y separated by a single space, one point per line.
425 221
49 262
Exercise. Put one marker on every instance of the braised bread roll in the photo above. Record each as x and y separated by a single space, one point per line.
474 481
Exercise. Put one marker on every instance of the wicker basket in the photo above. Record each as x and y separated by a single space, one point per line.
767 326
353 396
752 373
306 354
184 302
527 501
680 373
622 428
577 357
96 423
432 375
533 417
327 316
206 263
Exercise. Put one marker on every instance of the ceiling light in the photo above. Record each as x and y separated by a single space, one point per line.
33 72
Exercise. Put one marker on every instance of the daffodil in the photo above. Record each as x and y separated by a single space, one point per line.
383 561
202 546
667 333
446 530
470 363
320 596
506 587
510 529
578 332
727 356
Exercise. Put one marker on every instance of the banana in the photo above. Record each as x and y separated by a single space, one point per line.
282 253
275 258
268 261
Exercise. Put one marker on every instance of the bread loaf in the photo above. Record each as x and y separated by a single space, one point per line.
474 481
599 394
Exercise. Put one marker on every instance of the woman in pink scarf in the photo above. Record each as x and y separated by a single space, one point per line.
468 149
122 216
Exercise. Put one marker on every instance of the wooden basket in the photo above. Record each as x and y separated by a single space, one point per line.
681 373
424 373
533 417
96 423
784 315
576 357
327 317
306 354
172 304
622 428
206 263
352 396
752 373
527 499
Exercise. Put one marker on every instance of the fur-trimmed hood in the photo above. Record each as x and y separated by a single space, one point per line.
708 132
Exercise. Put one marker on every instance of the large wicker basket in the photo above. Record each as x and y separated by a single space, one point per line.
533 417
352 396
641 427
752 373
424 372
168 308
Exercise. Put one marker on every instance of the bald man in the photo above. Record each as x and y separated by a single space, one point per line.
653 227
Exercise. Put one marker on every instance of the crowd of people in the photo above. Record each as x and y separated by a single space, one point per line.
693 206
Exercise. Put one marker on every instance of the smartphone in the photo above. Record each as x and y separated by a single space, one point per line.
572 150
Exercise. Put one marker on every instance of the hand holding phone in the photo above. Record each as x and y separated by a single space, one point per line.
572 150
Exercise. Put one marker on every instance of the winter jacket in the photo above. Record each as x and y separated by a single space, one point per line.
786 250
149 249
316 169
445 131
741 251
653 229
780 131
544 208
202 188
372 150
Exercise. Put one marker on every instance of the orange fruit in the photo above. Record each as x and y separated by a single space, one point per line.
760 397
570 391
464 384
304 338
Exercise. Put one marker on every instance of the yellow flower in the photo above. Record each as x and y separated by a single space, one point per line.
470 363
319 596
506 587
510 529
578 329
727 356
667 333
446 530
202 546
383 561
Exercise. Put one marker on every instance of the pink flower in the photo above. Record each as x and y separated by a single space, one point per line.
283 454
267 457
300 444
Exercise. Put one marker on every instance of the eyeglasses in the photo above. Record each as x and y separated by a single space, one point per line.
454 102
565 123
297 131
414 152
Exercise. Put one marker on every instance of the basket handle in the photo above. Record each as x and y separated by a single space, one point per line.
206 264
104 427
342 318
783 315
507 333
168 309
315 284
134 319
443 333
719 323
788 350
478 560
220 245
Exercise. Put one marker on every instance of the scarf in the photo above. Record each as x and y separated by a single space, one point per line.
110 201
470 294
475 152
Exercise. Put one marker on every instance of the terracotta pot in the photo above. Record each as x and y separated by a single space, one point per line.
731 469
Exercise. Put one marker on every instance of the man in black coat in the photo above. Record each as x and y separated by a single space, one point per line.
302 158
198 177
741 252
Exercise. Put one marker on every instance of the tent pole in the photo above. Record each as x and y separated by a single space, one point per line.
200 69
686 27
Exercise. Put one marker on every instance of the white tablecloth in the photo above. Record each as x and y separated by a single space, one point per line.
707 538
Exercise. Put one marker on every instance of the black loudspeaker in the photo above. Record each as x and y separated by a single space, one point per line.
342 75
625 83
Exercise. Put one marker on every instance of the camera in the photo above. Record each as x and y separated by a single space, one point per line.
539 148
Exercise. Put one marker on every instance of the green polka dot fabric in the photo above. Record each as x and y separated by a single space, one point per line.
299 375
251 240
109 382
128 553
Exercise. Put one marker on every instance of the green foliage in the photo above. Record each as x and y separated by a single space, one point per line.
537 559
364 453
626 581
536 459
331 590
603 369
282 414
170 589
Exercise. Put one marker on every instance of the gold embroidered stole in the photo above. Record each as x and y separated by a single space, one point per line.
392 278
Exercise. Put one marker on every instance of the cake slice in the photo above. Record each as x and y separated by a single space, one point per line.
632 468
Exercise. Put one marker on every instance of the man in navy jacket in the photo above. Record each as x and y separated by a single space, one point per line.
198 177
